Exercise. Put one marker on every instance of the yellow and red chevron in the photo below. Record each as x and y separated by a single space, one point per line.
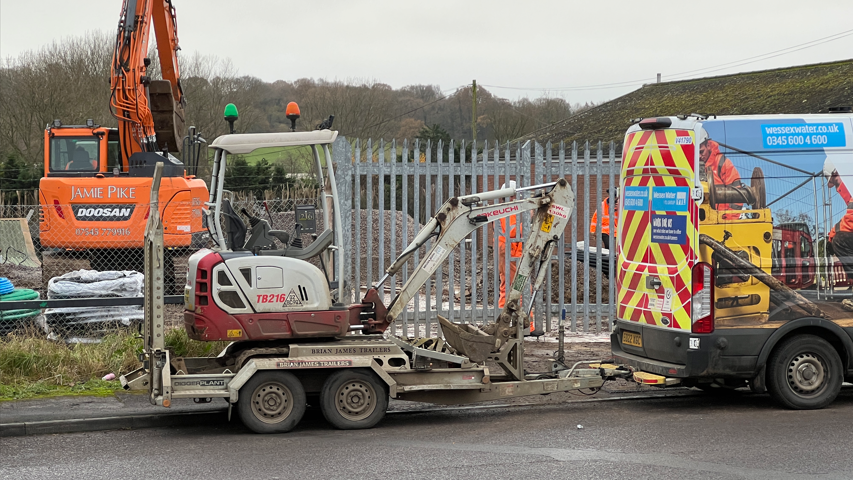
652 158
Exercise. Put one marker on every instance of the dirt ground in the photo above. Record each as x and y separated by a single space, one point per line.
22 277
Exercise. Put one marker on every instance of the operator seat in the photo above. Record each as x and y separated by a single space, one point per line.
320 244
261 239
235 229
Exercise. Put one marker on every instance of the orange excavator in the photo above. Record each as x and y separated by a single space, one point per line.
95 191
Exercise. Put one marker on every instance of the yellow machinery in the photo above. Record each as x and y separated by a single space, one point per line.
748 234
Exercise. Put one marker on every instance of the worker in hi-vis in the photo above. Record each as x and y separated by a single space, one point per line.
722 169
605 220
841 234
515 249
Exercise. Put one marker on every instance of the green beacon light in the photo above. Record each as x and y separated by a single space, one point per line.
231 115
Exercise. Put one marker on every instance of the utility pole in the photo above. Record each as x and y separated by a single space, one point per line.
474 111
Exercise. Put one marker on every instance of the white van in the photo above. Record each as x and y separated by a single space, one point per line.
699 300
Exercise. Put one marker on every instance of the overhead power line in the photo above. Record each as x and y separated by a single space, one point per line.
686 74
769 55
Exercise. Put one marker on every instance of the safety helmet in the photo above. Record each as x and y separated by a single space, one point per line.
511 184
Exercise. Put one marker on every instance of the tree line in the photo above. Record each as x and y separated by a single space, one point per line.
70 80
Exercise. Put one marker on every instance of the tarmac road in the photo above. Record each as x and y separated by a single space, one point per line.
734 436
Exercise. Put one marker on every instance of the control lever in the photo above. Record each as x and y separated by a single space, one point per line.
253 220
297 238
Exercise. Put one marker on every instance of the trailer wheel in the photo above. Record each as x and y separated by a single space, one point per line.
271 402
353 399
804 373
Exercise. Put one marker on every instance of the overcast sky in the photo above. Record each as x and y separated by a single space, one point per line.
558 48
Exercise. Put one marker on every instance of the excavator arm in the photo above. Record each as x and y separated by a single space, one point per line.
460 216
147 126
455 220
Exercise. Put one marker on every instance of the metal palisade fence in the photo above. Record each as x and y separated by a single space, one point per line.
390 189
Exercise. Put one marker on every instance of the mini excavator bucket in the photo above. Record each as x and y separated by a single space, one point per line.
468 340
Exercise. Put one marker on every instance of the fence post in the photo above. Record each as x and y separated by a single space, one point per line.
485 260
357 213
380 269
599 160
611 284
394 216
451 258
464 315
369 211
587 196
416 172
574 265
406 166
561 245
342 155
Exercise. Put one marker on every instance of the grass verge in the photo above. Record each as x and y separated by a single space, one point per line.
32 366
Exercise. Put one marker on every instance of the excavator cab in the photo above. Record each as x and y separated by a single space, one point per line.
80 150
259 282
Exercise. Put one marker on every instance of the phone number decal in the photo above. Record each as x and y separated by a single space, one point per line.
803 135
102 232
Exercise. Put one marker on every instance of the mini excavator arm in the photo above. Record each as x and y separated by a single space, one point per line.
460 216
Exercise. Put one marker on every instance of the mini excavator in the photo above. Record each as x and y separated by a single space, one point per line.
259 285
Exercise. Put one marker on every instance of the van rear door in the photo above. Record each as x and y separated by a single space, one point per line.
658 224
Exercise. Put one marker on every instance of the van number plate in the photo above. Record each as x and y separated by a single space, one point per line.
632 339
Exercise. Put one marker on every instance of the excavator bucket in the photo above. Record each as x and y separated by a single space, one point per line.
168 116
468 340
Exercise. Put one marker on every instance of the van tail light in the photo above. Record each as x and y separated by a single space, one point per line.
703 298
655 123
58 208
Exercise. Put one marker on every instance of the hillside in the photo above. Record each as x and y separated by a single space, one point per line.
801 89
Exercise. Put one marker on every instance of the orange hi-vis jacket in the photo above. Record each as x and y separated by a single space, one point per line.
724 172
516 247
846 222
605 219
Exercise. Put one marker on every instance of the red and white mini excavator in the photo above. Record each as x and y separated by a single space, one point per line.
295 340
257 285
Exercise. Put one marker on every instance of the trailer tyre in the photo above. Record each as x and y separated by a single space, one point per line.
271 402
354 399
804 373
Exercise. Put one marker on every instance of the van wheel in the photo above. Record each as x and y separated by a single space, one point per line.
353 399
271 402
804 373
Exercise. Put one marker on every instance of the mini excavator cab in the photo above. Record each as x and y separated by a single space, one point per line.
259 283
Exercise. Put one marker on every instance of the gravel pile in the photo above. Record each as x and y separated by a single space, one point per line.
591 273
